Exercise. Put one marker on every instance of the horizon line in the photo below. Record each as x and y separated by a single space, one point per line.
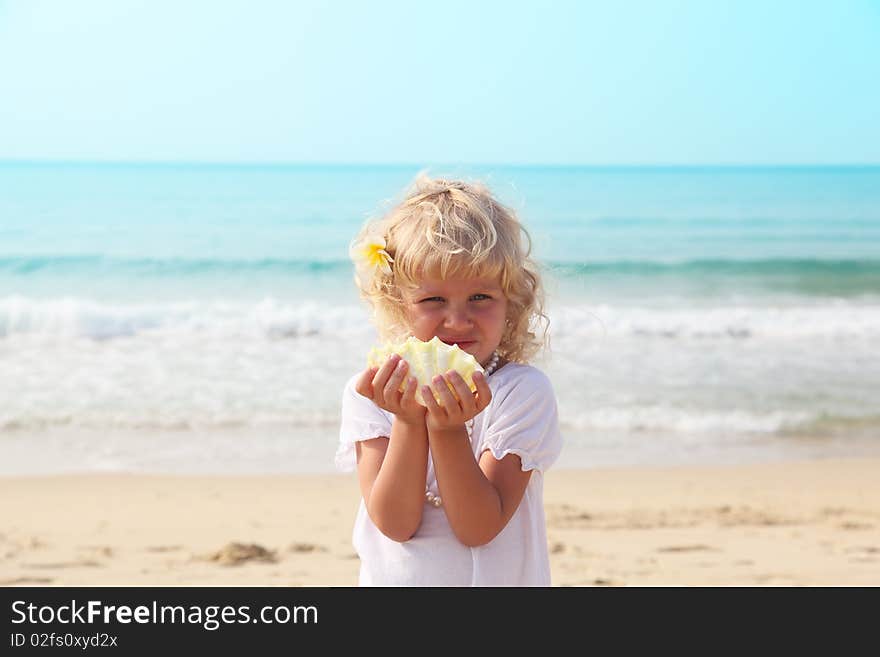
411 165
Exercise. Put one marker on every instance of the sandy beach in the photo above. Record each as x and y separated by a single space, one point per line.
811 523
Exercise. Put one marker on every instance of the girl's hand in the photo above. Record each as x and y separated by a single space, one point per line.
382 385
452 414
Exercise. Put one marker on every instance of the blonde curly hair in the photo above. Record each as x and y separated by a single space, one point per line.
449 228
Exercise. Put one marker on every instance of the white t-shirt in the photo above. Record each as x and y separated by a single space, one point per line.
521 419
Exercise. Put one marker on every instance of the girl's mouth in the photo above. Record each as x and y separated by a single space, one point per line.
461 343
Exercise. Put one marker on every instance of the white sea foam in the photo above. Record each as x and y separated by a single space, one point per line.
274 318
273 370
739 322
671 419
85 318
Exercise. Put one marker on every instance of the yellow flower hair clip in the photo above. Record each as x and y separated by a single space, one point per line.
370 254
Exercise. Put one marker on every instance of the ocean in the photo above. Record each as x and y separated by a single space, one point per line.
203 318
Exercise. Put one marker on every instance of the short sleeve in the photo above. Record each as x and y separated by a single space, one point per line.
525 422
361 420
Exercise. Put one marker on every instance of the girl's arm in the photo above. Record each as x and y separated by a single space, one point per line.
479 498
392 470
392 478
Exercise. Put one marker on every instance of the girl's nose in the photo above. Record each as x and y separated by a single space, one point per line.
457 318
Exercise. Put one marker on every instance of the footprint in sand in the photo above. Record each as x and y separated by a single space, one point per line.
774 578
855 525
164 548
82 563
863 553
235 554
26 580
306 547
687 548
98 550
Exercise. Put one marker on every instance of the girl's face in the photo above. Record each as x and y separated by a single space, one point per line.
470 312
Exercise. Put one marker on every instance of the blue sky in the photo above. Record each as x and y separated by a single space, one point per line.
595 83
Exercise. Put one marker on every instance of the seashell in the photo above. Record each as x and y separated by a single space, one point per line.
426 360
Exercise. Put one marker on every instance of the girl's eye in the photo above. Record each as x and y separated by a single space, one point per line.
475 297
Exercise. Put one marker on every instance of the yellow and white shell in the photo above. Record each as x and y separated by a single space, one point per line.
426 360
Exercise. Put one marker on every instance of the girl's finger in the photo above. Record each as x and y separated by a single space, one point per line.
409 392
484 393
465 396
381 376
431 403
446 399
364 383
393 384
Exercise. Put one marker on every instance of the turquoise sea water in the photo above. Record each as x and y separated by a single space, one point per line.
174 318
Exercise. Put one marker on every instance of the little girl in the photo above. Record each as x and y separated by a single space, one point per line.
452 492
